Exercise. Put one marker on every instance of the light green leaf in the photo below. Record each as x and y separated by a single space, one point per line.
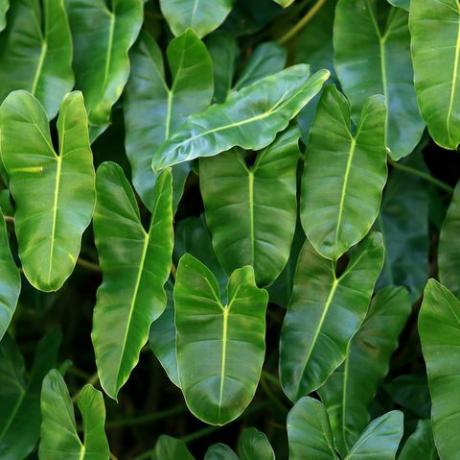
250 118
439 329
324 313
349 391
254 445
285 3
202 16
420 444
373 32
154 110
251 210
54 191
4 7
135 264
229 336
220 452
103 32
36 52
20 395
10 280
59 435
404 4
435 32
169 448
344 174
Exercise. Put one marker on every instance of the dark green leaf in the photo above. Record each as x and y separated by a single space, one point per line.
169 448
254 445
220 452
420 444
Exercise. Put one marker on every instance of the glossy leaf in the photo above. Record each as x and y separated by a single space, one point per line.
169 448
154 110
349 391
53 188
135 264
220 452
250 118
59 435
36 52
103 32
230 334
251 210
202 16
20 395
10 280
344 174
420 444
439 329
372 31
435 31
254 445
324 313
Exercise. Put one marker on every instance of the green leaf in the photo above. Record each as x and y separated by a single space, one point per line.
420 444
220 452
435 31
10 280
36 52
54 191
404 4
231 335
59 435
349 391
103 32
153 109
169 448
324 313
4 7
135 264
254 445
448 251
439 329
284 3
250 118
344 174
251 210
373 32
20 395
202 16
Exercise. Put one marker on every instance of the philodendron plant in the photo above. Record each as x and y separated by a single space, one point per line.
229 229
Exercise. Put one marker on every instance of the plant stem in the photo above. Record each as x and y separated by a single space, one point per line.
9 219
199 434
271 396
293 31
423 175
146 418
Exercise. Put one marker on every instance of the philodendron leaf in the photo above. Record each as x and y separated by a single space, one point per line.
135 264
202 16
169 448
344 174
103 32
10 280
36 52
230 336
284 3
20 395
324 313
54 191
250 118
378 33
220 452
349 390
439 329
154 110
4 7
404 4
420 444
254 445
251 210
434 27
59 433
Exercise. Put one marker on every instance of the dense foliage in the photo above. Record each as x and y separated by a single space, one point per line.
229 229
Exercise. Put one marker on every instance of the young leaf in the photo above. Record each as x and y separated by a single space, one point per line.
230 336
420 444
59 435
344 174
10 280
103 32
20 395
435 31
54 191
250 118
220 452
135 266
251 210
202 16
324 313
439 329
359 36
169 448
153 110
349 390
254 445
36 52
